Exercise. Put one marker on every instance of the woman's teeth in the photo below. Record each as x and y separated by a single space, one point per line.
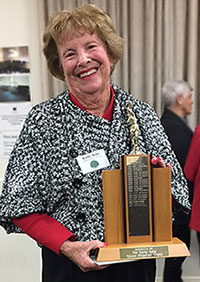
87 73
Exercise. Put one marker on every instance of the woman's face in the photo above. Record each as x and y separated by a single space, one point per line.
85 63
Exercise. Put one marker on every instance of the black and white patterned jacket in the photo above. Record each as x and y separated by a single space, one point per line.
43 174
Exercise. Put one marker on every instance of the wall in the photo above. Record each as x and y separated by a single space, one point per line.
18 27
19 255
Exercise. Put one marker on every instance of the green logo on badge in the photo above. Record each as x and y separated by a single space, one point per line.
94 164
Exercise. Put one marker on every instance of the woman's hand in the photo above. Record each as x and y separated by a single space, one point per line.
158 162
79 253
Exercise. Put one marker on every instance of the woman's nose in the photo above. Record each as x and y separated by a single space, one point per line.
83 58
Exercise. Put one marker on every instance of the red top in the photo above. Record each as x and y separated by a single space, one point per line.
108 113
192 172
43 228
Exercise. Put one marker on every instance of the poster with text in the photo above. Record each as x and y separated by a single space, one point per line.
12 116
7 142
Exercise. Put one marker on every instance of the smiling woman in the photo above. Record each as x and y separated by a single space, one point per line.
53 184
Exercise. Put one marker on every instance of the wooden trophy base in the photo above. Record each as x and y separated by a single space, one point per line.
130 252
161 244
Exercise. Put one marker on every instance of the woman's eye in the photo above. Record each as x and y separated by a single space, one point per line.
92 46
69 54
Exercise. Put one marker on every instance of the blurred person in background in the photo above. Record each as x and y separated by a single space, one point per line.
177 101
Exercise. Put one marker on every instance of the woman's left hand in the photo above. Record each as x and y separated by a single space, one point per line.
158 162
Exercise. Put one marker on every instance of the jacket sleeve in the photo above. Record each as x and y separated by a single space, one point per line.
193 158
23 178
38 226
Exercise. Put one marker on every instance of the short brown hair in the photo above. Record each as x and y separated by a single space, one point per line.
86 17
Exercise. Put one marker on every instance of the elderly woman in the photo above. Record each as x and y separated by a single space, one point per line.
49 192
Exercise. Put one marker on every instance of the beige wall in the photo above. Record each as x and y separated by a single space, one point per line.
19 255
18 27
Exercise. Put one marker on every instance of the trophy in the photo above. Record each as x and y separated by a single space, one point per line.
138 208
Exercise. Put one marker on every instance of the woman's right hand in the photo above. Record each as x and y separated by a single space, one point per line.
79 253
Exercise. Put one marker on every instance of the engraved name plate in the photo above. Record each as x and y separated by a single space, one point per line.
144 252
137 198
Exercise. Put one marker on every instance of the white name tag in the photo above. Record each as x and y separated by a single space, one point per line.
93 161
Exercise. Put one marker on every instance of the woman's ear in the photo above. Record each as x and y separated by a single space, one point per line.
111 65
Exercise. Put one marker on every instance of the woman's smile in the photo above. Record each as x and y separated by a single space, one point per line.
88 74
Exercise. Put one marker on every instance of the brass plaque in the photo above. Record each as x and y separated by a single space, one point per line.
144 252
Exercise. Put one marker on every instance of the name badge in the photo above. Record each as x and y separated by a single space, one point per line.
93 161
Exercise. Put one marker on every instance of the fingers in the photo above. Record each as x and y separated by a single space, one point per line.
160 162
170 165
88 264
157 162
96 244
79 253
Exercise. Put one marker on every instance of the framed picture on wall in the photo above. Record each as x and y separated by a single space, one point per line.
14 74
